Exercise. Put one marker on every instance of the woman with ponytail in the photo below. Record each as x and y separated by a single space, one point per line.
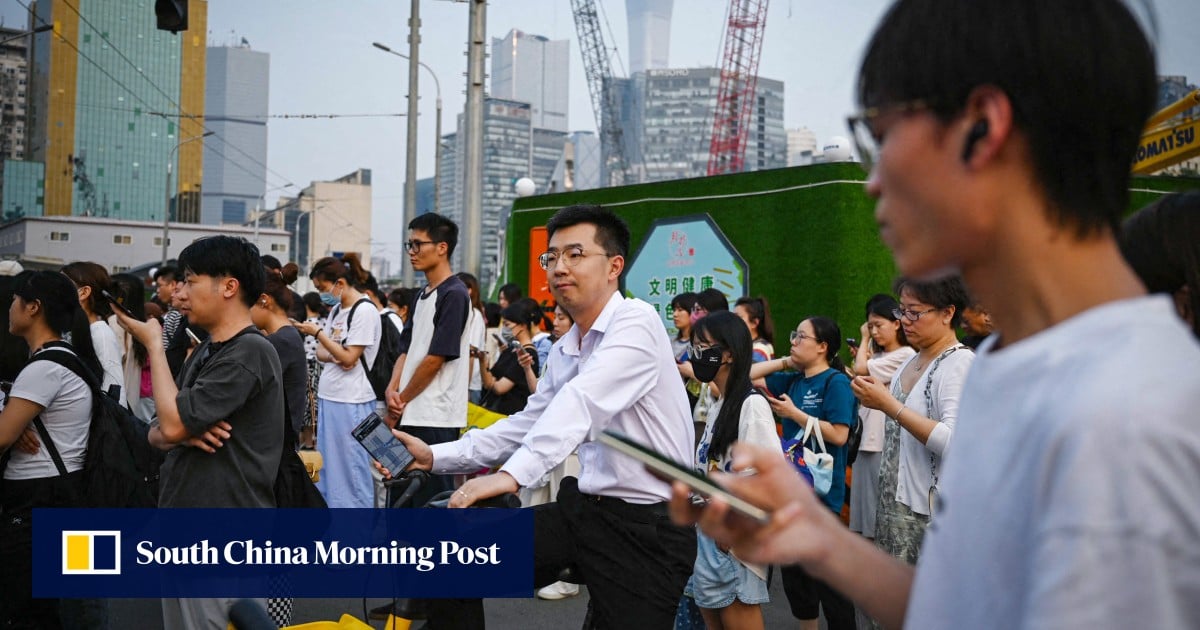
90 279
47 400
344 393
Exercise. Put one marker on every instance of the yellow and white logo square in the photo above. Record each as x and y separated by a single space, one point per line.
91 553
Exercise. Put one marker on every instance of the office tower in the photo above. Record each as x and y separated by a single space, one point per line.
676 123
112 101
14 89
649 34
327 218
533 69
235 166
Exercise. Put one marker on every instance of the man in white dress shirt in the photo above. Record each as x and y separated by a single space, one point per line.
613 370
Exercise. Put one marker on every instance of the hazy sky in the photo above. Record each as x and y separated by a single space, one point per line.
322 62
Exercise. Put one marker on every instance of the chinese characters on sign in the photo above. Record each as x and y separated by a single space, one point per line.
684 254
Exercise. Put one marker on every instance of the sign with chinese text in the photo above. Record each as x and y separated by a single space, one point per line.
684 254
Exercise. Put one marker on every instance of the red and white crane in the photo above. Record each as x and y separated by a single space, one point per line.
739 79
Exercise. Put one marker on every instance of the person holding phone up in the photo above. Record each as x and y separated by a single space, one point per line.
508 384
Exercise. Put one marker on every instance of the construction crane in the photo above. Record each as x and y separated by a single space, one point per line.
739 79
600 85
1167 142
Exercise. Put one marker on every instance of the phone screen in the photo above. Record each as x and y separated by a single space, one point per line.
377 438
117 304
668 469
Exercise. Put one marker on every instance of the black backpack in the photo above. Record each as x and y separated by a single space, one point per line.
120 468
380 373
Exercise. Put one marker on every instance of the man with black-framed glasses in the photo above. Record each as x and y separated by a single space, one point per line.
614 369
983 162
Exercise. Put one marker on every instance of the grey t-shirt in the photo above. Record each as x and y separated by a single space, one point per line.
239 381
1069 498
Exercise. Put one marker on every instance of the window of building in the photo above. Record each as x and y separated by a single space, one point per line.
122 239
278 247
158 241
60 236
120 268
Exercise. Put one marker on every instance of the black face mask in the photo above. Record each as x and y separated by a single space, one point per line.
706 365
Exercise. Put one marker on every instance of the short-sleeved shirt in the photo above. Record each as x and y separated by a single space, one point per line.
830 400
108 351
67 416
351 386
290 347
438 327
238 381
475 331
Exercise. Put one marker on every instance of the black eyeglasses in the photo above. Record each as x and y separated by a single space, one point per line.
910 315
861 125
414 246
571 255
697 350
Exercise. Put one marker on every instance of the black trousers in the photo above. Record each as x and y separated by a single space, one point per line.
634 561
807 596
437 483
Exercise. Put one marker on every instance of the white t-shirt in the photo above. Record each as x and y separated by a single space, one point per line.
339 384
882 367
67 415
475 332
438 327
109 352
1069 498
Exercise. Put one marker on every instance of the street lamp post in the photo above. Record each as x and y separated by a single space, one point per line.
41 29
166 237
258 208
437 154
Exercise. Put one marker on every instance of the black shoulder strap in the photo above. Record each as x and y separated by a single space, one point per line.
73 363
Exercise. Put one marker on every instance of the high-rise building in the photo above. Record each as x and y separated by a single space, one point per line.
533 69
579 167
1171 88
235 167
14 90
649 23
801 146
677 105
326 219
512 149
113 101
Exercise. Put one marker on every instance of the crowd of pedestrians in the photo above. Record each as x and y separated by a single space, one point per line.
997 452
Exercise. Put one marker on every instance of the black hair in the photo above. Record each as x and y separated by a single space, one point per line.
524 311
95 277
884 306
940 293
1048 58
226 256
312 301
439 228
1162 244
612 234
712 300
491 312
348 267
370 284
511 292
727 330
275 286
760 310
271 262
59 300
402 296
827 332
684 301
170 273
130 290
476 294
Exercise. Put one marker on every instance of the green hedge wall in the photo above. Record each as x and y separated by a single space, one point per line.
808 234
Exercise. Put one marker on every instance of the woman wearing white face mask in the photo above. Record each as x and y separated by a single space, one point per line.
508 384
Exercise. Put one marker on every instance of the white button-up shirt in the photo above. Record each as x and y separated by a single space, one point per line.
621 375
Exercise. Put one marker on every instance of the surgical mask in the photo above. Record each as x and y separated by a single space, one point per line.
329 299
705 362
506 334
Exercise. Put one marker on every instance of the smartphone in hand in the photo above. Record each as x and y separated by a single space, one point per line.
191 335
375 436
115 303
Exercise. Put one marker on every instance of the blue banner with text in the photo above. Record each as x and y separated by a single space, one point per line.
282 553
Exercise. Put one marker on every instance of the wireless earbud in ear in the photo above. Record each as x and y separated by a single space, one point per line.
978 132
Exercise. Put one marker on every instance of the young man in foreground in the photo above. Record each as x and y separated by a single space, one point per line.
1068 495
